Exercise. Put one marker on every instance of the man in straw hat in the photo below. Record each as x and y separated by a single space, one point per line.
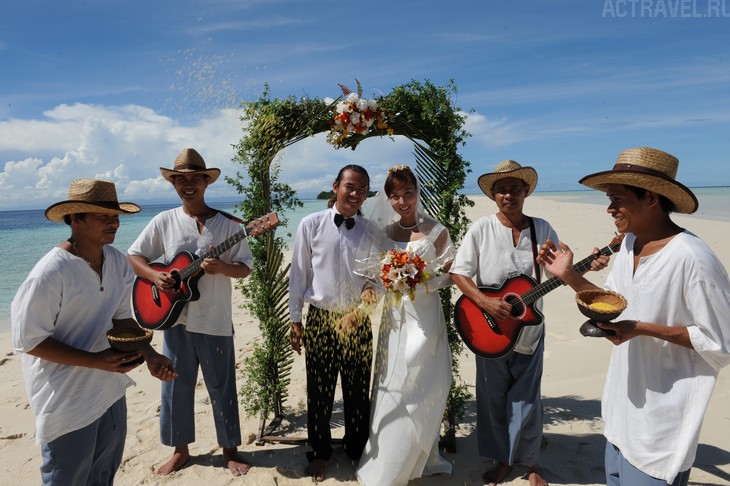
204 336
496 247
59 318
673 337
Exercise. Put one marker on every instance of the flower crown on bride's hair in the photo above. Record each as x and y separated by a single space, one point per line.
399 167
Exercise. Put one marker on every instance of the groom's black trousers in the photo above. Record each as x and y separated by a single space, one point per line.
329 353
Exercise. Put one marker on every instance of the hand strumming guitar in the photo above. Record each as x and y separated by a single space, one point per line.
495 306
164 281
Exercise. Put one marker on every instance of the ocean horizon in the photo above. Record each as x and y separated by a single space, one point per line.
27 235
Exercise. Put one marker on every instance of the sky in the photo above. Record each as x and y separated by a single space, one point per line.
114 89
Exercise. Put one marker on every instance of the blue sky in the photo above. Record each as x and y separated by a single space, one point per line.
114 89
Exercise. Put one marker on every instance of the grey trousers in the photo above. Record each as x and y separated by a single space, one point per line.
509 407
619 472
90 455
215 356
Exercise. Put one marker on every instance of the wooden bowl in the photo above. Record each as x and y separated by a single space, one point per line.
600 305
128 340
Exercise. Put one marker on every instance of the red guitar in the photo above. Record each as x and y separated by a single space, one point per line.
158 310
489 337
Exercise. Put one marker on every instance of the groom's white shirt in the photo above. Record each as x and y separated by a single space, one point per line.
323 260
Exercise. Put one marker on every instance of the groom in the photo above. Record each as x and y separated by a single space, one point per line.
321 275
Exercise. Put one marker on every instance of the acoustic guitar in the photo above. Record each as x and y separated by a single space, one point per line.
158 309
490 337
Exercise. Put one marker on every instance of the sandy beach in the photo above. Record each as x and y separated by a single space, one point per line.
575 368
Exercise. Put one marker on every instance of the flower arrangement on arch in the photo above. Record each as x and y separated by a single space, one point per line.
355 115
401 271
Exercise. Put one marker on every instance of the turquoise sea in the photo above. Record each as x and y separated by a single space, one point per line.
27 235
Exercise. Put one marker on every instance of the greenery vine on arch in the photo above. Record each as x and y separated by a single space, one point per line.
420 111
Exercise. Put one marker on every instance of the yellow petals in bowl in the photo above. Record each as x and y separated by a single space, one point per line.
600 305
603 307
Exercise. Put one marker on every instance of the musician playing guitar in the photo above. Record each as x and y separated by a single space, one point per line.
496 247
205 335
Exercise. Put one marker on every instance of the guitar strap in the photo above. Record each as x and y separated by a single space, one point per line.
231 217
533 237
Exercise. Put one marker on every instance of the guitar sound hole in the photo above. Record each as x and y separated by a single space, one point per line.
178 280
517 307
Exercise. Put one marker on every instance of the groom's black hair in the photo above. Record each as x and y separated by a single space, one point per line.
355 168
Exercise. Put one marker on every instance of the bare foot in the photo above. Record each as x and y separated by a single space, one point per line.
316 469
179 458
236 465
496 475
534 475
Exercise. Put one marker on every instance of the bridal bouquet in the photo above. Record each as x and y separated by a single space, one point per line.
401 271
354 115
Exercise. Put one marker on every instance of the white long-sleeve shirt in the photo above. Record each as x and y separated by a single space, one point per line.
323 260
63 298
656 393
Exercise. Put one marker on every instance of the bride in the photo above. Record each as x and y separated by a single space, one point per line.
413 361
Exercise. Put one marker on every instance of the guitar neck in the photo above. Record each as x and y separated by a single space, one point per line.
537 292
254 228
214 252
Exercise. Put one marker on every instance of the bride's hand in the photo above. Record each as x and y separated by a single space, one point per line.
368 301
350 322
368 297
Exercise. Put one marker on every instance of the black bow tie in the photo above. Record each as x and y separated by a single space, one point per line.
339 219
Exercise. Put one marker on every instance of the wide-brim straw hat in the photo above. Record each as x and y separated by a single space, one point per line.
649 169
505 169
90 196
190 161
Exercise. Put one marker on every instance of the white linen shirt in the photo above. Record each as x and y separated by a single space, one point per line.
488 252
61 298
656 393
173 231
323 260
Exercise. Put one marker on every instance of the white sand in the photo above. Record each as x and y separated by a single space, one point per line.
573 379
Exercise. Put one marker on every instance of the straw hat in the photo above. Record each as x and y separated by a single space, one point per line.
90 196
505 169
649 169
190 161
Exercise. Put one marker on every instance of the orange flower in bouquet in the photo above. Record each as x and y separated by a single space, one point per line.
401 271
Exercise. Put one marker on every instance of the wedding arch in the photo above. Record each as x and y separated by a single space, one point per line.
420 111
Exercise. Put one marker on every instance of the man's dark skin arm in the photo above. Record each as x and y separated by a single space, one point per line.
158 365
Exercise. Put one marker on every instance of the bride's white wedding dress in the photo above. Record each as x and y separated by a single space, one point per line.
410 387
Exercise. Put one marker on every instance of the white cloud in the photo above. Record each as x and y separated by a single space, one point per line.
244 25
22 173
492 133
126 144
